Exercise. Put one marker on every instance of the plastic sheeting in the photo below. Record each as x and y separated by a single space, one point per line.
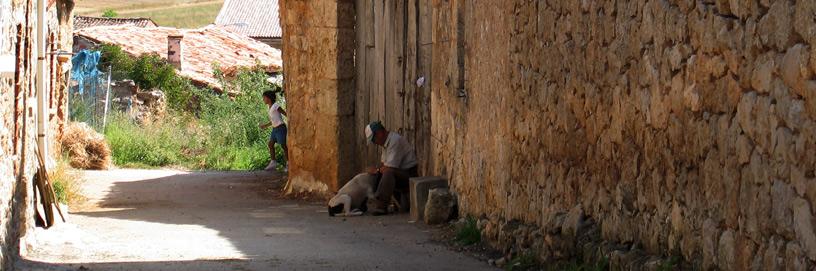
87 96
85 69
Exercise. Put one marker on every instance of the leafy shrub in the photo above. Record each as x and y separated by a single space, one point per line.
120 61
151 71
148 71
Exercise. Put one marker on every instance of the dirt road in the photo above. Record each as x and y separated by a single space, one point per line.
172 220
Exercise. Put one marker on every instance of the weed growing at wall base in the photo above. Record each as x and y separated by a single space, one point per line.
67 183
468 233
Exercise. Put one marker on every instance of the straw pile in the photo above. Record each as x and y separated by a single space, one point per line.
86 148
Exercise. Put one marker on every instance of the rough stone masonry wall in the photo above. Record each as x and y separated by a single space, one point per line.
680 127
318 52
61 38
17 98
18 131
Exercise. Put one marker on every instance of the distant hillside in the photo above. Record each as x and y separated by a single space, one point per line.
174 13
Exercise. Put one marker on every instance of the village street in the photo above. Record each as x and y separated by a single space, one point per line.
175 220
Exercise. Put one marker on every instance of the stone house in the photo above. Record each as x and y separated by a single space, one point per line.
31 118
259 20
633 130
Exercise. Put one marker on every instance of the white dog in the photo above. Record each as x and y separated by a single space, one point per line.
351 199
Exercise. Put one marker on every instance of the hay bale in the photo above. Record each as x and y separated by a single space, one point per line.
86 148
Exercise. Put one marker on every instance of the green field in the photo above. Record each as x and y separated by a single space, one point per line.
172 13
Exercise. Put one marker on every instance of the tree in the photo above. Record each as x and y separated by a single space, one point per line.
110 13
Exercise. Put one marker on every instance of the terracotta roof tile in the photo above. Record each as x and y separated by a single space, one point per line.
82 22
254 18
202 48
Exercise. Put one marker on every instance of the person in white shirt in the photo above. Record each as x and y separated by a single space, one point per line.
398 164
278 135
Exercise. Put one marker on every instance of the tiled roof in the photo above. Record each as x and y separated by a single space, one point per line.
82 22
254 18
202 48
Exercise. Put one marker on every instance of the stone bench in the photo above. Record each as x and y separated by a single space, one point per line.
419 187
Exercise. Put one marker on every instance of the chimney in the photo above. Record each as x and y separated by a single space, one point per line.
174 50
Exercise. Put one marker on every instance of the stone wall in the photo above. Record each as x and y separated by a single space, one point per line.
680 127
318 52
61 27
18 132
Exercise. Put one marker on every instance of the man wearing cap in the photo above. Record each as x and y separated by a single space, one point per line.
398 164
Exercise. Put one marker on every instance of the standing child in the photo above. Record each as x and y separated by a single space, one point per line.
278 135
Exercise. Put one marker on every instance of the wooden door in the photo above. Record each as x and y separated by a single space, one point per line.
393 53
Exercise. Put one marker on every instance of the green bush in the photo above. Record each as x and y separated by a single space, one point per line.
148 72
151 71
119 61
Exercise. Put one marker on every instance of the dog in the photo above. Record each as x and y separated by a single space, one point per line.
352 197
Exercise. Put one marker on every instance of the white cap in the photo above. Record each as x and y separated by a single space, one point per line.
371 128
369 134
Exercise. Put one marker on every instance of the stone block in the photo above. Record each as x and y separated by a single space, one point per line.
419 188
439 207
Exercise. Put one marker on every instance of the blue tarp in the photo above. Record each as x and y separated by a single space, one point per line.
85 68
